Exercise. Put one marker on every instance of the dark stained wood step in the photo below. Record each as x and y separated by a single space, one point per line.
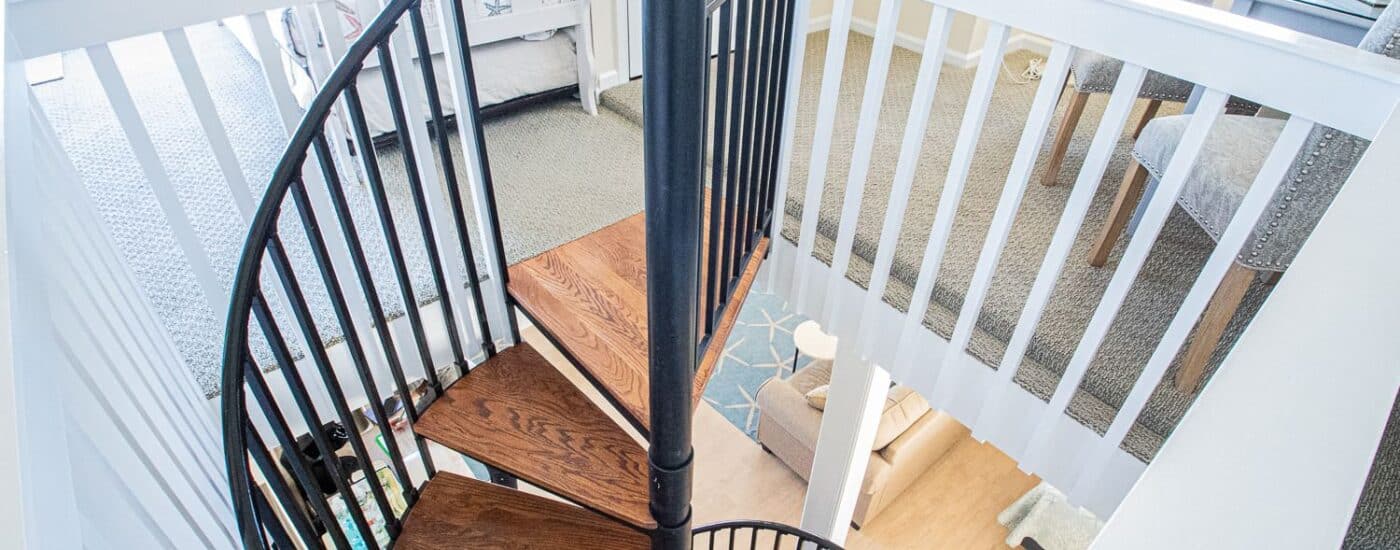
589 297
455 513
518 413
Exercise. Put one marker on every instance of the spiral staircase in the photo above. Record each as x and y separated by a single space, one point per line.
641 307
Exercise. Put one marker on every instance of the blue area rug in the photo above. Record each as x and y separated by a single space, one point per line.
759 348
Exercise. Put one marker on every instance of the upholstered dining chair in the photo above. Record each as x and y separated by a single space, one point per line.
1233 153
1095 73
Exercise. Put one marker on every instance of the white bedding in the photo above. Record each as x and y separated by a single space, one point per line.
505 70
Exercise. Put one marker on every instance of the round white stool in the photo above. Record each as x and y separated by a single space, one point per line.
809 340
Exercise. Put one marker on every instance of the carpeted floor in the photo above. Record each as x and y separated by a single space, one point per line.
592 177
539 208
1170 270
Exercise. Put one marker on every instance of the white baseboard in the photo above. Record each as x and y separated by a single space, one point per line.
610 79
959 59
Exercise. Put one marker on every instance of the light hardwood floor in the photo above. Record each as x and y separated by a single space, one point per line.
952 506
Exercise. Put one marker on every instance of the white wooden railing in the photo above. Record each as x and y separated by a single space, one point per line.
46 27
108 410
1224 54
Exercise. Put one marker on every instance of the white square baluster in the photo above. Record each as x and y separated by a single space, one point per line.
877 71
1027 151
1235 236
915 128
1120 105
1161 204
961 163
821 150
139 137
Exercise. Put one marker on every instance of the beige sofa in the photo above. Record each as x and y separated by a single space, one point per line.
911 436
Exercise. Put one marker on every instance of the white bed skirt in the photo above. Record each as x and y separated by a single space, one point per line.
505 70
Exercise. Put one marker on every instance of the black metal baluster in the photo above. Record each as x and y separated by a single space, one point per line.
278 532
278 255
273 474
702 288
420 207
732 532
366 279
302 398
483 161
736 146
391 234
347 324
759 143
449 172
754 82
778 540
753 537
715 299
777 99
301 471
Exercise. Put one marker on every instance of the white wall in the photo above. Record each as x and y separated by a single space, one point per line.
112 447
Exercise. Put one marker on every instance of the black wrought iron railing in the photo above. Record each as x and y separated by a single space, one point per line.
731 54
266 277
289 487
754 535
750 45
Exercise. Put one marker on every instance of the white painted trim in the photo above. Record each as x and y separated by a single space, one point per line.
1019 40
1276 449
622 37
610 79
1019 408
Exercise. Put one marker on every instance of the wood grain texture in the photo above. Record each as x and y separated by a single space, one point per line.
1129 192
518 413
455 512
1062 138
1147 115
715 352
589 296
1222 307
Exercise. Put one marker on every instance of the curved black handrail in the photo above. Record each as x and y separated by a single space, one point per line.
757 530
264 244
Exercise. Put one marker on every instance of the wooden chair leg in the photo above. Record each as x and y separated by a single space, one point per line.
1062 137
1147 115
1129 192
1219 311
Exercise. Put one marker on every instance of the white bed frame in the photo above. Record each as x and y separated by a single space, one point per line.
527 17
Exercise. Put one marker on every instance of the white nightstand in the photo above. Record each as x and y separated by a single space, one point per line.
809 340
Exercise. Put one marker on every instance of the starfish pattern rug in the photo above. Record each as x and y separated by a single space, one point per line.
759 348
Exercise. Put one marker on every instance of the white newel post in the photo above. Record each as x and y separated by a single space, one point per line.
1276 450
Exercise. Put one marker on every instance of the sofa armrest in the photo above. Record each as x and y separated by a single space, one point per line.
780 403
913 453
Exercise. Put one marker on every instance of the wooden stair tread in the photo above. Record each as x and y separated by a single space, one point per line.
589 296
516 412
455 512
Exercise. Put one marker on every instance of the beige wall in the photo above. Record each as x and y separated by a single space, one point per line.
966 37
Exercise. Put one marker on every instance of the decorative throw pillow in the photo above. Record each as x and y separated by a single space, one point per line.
817 397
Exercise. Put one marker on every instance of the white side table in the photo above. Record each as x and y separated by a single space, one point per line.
809 340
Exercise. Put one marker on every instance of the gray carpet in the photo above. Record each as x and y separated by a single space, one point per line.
1177 255
540 206
1176 259
590 176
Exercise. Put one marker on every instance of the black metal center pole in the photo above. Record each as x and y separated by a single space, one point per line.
673 86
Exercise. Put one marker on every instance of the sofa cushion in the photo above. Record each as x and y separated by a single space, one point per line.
903 406
817 397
